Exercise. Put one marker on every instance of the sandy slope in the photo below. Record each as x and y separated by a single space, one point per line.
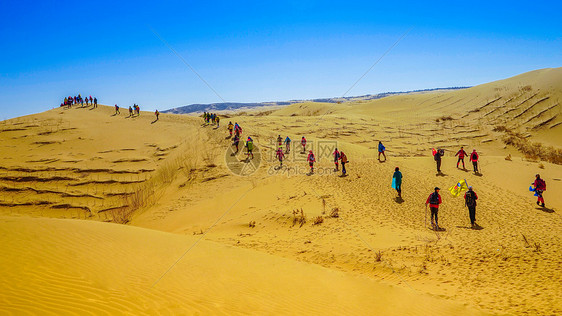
98 268
173 176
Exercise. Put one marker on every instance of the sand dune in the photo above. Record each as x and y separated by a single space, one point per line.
171 181
87 267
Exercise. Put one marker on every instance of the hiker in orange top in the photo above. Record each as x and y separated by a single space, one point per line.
461 153
157 114
230 128
311 161
434 200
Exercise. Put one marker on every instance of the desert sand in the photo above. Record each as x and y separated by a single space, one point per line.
112 214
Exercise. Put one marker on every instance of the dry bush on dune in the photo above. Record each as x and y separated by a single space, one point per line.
335 212
534 151
299 217
318 220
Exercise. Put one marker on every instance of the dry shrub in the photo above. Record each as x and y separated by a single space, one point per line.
526 88
508 157
378 256
252 224
318 220
541 166
534 151
299 217
335 213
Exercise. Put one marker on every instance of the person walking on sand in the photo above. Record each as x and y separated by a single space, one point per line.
279 141
311 159
287 144
235 142
397 181
117 109
250 147
470 198
343 159
218 121
437 154
280 155
381 151
130 111
95 103
337 157
237 129
474 158
540 187
303 143
157 114
230 128
461 153
434 200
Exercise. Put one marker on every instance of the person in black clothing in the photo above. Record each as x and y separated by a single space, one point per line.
470 198
437 157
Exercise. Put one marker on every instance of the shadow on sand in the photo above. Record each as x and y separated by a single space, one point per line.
476 227
546 209
398 200
440 174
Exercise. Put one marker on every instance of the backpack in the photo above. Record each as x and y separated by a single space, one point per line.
434 198
470 198
541 185
474 157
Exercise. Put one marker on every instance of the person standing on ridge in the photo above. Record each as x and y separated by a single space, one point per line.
434 200
540 187
130 111
117 109
287 144
343 159
437 154
303 143
337 156
95 103
461 153
381 151
474 158
397 181
280 155
311 159
470 198
157 114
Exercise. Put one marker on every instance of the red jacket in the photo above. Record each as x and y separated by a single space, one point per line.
311 158
461 153
475 156
433 205
540 184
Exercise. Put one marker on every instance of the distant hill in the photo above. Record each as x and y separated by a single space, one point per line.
232 106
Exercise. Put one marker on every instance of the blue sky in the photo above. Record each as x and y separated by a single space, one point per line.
261 51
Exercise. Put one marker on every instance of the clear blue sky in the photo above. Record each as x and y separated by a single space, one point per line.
262 51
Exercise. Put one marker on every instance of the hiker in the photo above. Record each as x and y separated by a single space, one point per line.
474 158
303 143
95 102
337 156
397 181
91 99
311 160
117 109
138 110
157 114
287 144
434 200
81 101
540 187
218 120
235 142
237 129
279 141
130 111
470 198
280 155
381 151
461 153
437 154
230 128
343 159
250 147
